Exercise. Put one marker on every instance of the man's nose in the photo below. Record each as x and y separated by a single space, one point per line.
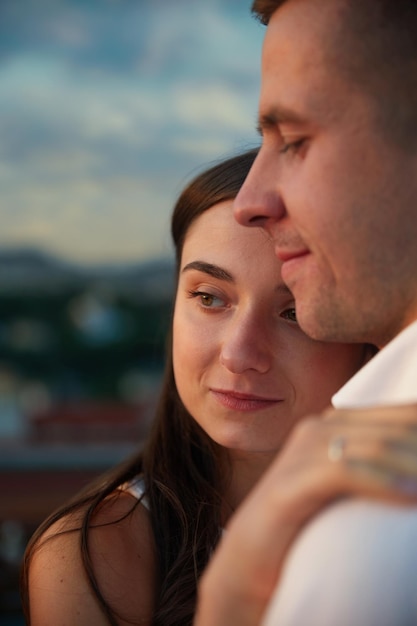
259 202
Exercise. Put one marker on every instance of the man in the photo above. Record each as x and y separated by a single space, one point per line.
335 186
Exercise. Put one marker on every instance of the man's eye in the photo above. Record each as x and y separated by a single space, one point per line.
292 147
290 315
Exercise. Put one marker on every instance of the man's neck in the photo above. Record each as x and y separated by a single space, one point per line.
395 330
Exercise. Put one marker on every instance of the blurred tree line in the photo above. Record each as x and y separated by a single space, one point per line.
82 341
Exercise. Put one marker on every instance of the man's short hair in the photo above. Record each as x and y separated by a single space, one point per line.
263 9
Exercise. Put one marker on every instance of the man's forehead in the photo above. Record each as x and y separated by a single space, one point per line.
300 73
306 25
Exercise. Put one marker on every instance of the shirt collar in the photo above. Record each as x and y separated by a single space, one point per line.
389 378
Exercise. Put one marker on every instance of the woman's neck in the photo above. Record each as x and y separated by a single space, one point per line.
245 471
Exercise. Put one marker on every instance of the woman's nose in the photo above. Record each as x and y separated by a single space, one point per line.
245 346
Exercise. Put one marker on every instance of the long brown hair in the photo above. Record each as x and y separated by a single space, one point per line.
180 464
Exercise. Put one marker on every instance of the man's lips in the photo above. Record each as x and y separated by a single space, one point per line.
292 261
289 255
243 401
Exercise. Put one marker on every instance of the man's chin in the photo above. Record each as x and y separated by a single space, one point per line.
320 327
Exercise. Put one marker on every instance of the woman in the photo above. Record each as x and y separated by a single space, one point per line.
239 376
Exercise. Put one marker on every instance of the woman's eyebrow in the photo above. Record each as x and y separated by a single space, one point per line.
209 268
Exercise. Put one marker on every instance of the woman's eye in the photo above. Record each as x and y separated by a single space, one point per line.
207 300
290 315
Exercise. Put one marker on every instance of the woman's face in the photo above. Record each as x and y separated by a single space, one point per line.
244 369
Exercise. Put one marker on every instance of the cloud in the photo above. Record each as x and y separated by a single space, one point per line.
105 110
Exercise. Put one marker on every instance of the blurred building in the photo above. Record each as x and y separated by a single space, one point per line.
81 355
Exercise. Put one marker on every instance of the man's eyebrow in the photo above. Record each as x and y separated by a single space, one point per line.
209 268
277 115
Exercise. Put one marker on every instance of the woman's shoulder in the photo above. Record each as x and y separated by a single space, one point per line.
121 547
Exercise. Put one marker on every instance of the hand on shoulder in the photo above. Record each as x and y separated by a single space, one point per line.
378 461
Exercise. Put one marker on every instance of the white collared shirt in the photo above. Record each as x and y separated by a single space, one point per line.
389 378
355 564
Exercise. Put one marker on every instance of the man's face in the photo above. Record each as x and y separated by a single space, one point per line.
337 198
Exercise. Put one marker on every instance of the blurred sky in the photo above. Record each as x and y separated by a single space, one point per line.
108 107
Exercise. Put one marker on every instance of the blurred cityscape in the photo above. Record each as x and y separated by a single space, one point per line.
81 358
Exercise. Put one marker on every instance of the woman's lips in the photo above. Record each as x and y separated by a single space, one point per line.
243 402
